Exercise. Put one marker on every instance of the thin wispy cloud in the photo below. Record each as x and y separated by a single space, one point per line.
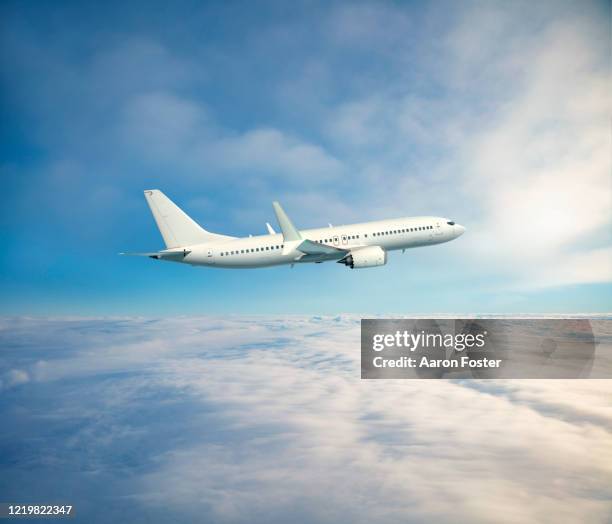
493 115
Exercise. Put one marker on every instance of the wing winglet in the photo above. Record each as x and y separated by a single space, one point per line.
290 233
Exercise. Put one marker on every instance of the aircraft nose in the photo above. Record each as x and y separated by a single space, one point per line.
459 229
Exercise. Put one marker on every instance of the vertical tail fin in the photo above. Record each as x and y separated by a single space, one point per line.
175 226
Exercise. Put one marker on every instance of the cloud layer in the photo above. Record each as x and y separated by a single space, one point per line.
266 419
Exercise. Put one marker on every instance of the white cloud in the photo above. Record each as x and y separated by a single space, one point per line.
541 166
291 429
179 131
517 148
163 124
270 150
320 440
14 377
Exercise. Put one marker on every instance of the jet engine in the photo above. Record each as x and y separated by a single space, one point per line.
365 257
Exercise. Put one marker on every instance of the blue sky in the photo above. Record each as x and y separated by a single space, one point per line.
495 115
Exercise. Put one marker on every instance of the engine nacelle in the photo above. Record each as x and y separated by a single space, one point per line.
366 257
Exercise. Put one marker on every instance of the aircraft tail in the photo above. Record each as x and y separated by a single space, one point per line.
175 226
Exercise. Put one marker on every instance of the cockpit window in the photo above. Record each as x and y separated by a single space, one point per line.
451 223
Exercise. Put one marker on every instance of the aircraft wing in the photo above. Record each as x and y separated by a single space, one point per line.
309 247
293 241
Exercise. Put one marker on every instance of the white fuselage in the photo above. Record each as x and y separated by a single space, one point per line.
270 250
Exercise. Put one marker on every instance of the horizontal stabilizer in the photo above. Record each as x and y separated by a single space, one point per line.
161 255
270 229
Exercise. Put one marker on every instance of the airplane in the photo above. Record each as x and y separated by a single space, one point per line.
354 245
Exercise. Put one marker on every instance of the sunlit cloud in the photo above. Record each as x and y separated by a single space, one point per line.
266 417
